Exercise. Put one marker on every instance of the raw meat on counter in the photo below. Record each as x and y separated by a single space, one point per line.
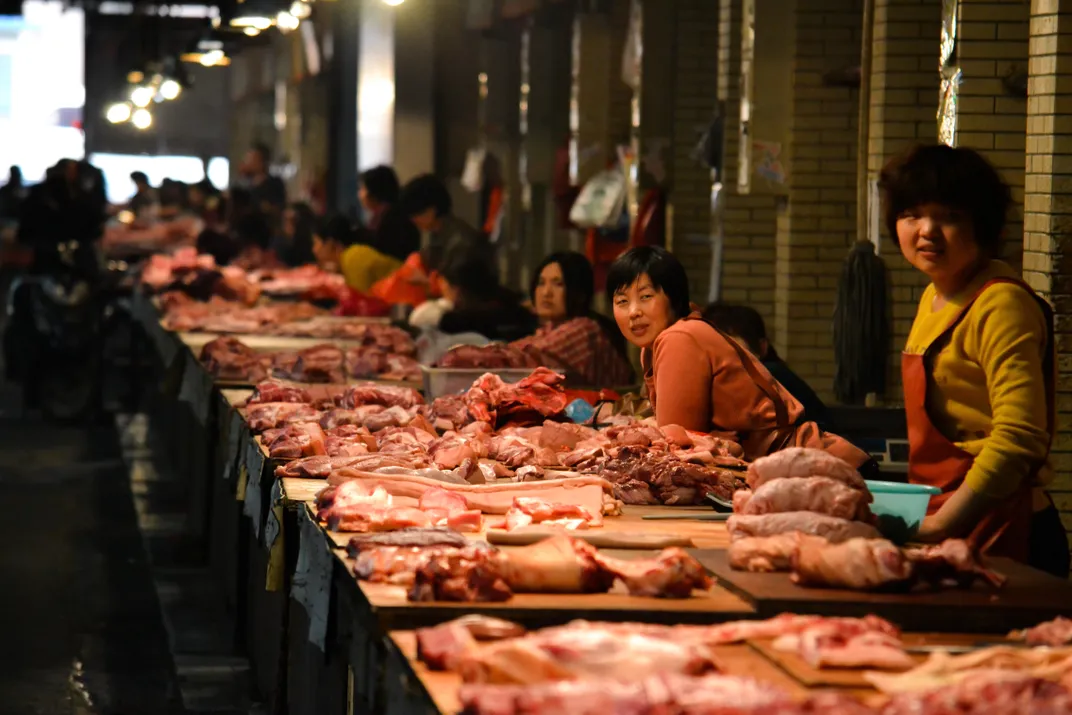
303 439
229 359
224 316
560 564
865 564
802 462
540 395
763 554
486 357
848 643
322 467
309 281
386 395
1057 632
817 494
986 692
353 507
320 363
943 670
807 522
594 494
271 415
528 510
369 362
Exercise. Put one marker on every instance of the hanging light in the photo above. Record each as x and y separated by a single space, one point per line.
142 95
286 22
141 119
208 51
393 3
118 112
170 89
135 76
301 10
251 31
259 14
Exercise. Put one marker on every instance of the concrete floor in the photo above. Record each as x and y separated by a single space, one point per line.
80 623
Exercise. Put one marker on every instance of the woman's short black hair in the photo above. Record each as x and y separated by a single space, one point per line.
576 275
337 228
423 193
741 321
469 271
660 266
960 178
381 184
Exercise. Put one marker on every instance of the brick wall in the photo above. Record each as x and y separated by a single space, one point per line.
818 225
749 221
1047 204
904 106
696 78
991 44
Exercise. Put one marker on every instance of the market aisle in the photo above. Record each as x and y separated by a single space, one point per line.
80 622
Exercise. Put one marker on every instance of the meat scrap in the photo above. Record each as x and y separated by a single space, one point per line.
848 643
529 510
1054 633
942 670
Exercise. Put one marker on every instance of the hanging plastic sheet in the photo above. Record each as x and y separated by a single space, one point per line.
717 207
950 10
633 52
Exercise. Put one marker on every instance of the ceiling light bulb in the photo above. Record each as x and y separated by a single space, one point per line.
211 58
170 89
286 22
141 118
118 113
141 96
393 3
252 31
300 10
135 76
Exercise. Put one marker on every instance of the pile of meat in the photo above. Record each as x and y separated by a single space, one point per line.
197 277
310 282
596 668
182 313
434 567
1057 632
807 512
228 358
487 357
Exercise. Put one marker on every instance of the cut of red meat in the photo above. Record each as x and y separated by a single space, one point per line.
386 395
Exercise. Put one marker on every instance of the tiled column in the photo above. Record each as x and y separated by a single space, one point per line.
1048 206
818 225
904 105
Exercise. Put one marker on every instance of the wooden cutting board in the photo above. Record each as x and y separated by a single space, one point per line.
1028 598
595 537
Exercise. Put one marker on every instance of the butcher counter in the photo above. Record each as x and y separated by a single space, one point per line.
319 641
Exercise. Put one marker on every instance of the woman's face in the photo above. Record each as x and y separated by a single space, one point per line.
642 312
550 298
324 251
940 242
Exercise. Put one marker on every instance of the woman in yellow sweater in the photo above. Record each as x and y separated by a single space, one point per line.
978 367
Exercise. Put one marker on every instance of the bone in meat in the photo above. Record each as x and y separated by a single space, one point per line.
762 554
828 527
857 564
556 565
818 494
798 462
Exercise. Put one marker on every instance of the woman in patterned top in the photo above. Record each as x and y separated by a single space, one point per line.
571 337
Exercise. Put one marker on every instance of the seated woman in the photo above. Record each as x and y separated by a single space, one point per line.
747 326
699 377
979 365
571 337
336 247
387 228
473 301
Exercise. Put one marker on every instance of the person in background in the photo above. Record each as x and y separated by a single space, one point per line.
589 347
294 244
172 197
747 326
268 193
337 249
386 227
979 367
12 194
252 234
473 301
700 378
144 198
427 203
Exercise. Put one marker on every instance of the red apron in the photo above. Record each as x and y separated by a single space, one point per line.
938 462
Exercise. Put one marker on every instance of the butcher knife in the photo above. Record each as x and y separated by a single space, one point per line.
601 540
694 516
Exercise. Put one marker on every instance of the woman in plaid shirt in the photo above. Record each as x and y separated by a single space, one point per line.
571 337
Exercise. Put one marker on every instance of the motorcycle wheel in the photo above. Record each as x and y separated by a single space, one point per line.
69 393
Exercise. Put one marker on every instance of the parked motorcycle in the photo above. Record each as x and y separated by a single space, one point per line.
58 322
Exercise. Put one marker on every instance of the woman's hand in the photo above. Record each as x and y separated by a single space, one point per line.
958 517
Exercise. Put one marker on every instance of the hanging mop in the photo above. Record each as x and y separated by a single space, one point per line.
861 326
